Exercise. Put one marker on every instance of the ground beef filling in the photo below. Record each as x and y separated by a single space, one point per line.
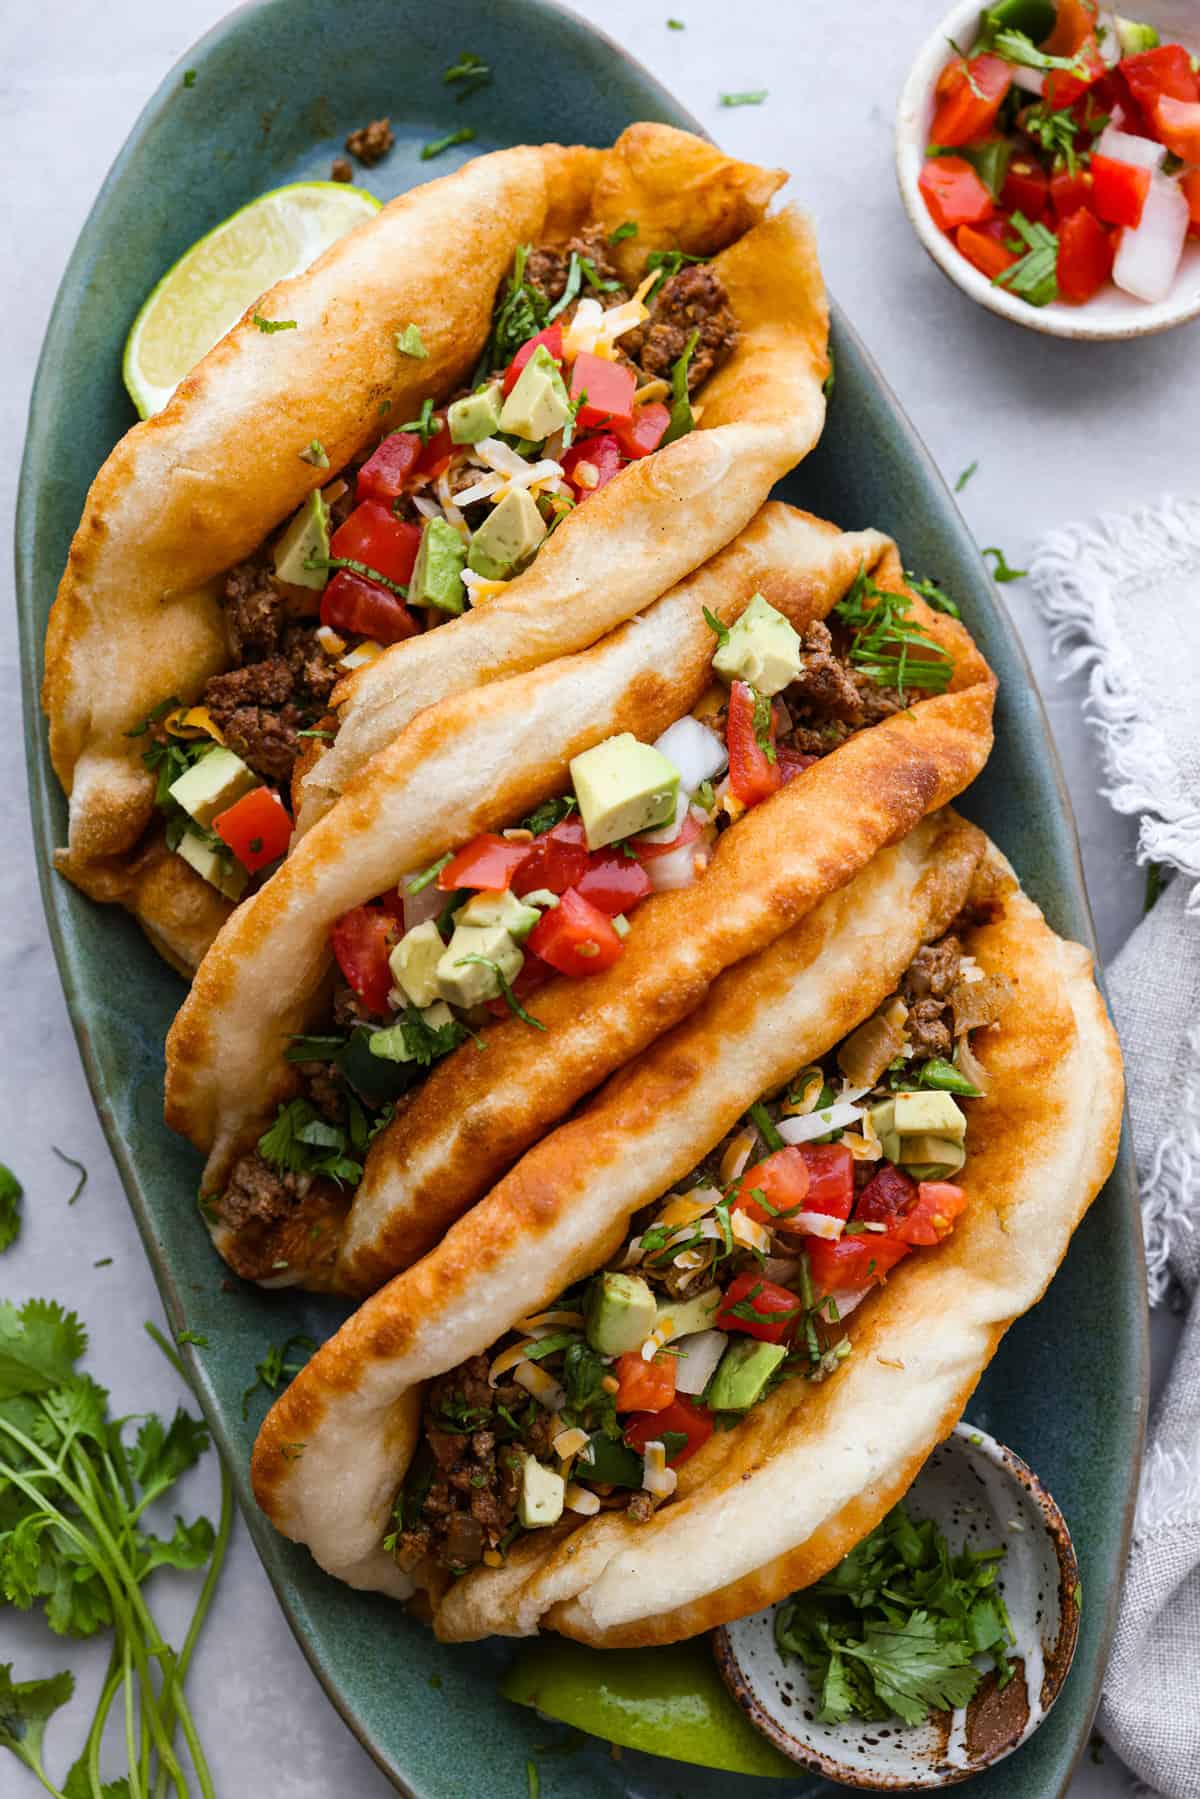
471 1501
927 990
370 143
281 678
694 300
276 1221
547 269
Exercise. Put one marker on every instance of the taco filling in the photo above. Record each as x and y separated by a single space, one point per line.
742 1279
428 965
578 378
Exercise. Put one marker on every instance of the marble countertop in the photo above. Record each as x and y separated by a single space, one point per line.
1058 431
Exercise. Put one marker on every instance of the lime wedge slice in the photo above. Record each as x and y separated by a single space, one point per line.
212 284
666 1701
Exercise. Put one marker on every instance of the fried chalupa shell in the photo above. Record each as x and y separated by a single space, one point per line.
188 494
478 761
772 1504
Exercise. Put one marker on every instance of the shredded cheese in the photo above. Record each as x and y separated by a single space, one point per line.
569 1442
749 1232
545 1390
193 721
650 391
737 1154
366 652
479 588
684 1208
579 1499
507 1359
657 1478
330 642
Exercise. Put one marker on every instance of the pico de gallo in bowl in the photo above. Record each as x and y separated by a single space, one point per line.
1049 156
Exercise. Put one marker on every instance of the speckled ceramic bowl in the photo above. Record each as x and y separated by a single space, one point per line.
1111 314
980 1494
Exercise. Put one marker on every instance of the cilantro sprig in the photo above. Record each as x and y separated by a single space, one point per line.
894 1628
10 1208
883 637
76 1540
1035 275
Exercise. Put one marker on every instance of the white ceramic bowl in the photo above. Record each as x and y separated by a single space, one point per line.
1111 314
980 1494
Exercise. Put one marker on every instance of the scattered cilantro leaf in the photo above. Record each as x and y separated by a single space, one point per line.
884 635
279 1364
417 883
510 999
675 25
10 1208
196 1338
719 631
628 229
1035 276
753 97
189 78
548 814
932 594
965 476
464 135
830 381
682 418
761 1118
468 74
1002 573
268 326
315 560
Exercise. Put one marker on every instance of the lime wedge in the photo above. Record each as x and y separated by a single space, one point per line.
666 1701
212 284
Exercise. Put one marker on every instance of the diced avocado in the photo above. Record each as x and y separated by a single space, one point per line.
306 539
623 786
931 1158
465 983
619 1312
761 648
436 579
212 784
540 1500
686 1316
883 1118
1134 37
414 963
221 872
890 1143
538 403
437 1016
392 1044
744 1371
517 916
507 538
475 416
611 1464
935 1114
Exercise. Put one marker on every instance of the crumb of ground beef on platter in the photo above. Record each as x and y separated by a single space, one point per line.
371 143
342 170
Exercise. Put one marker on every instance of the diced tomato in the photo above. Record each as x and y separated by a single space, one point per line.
1063 89
754 774
435 457
1085 257
1163 73
532 974
782 1179
682 1418
1026 187
1074 23
775 1310
361 608
687 833
613 882
609 387
1119 191
360 941
644 1386
1070 190
591 465
1177 125
384 474
645 430
1190 183
939 1203
954 193
558 859
985 247
373 535
852 1263
487 864
257 828
888 1195
575 937
551 336
830 1178
969 96
1102 101
792 763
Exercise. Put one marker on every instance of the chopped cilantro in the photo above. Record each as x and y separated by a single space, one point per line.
409 342
413 1039
1002 573
79 1168
675 25
315 560
682 418
1056 131
550 813
719 631
754 97
468 74
1035 276
464 135
761 1119
830 381
570 288
152 718
417 883
884 634
267 326
893 1629
425 423
10 1208
300 1141
194 1337
762 725
932 594
965 476
668 263
189 78
279 1364
628 229
520 314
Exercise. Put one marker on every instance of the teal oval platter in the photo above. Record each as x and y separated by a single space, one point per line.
277 87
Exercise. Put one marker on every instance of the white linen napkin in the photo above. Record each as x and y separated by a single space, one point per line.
1122 598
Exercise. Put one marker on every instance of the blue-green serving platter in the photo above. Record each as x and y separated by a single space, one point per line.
277 87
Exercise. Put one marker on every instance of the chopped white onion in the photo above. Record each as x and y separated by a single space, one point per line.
668 873
1122 146
816 1224
669 832
1107 39
846 1301
1148 259
818 1124
1031 80
698 753
696 1359
420 906
426 507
